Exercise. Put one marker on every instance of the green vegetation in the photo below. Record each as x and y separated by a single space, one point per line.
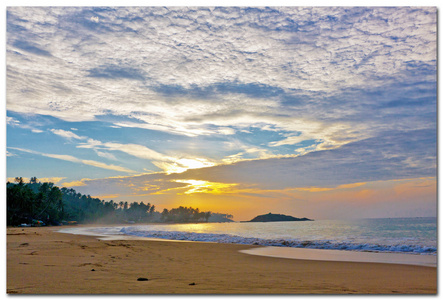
35 201
277 218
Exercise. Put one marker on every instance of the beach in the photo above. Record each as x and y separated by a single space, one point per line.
41 260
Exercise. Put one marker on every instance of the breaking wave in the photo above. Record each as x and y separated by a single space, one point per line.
317 244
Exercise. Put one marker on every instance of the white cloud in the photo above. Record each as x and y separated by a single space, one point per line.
333 75
16 123
196 72
77 160
60 156
168 163
131 149
106 155
67 134
210 47
11 121
106 166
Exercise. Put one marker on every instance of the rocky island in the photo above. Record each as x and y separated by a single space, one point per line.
276 218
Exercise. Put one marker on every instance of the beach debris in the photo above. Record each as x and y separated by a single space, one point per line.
192 283
92 270
142 279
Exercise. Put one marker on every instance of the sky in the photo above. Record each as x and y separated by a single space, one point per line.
318 112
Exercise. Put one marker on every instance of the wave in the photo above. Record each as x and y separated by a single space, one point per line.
318 244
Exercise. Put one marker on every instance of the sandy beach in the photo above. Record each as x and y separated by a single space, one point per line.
44 261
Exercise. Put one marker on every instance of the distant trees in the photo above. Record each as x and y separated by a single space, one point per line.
184 215
138 212
189 214
218 217
44 201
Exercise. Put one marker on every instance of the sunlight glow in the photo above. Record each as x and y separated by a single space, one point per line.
201 186
183 164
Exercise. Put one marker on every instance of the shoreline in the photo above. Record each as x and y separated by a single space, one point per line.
285 252
43 261
345 256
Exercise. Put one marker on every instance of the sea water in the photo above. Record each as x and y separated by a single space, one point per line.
388 235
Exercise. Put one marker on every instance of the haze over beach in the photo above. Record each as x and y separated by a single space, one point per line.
318 112
137 127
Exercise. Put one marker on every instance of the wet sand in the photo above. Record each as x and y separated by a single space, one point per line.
339 255
43 261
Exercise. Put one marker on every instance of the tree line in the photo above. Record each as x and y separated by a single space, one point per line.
35 202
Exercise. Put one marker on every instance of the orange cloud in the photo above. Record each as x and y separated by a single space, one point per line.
73 183
320 189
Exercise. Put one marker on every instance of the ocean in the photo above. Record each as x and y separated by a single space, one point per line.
388 235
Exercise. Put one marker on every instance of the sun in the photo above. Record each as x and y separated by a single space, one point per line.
202 186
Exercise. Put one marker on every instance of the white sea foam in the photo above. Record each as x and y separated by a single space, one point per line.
141 231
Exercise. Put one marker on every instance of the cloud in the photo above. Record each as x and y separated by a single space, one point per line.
116 72
73 159
106 155
132 149
320 189
289 97
169 164
384 157
106 166
56 156
73 184
382 198
95 19
67 134
30 124
351 166
179 69
201 186
23 45
132 186
12 122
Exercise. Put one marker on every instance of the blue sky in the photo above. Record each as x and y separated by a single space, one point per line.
226 108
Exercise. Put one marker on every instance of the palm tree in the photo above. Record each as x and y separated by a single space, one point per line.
19 180
207 216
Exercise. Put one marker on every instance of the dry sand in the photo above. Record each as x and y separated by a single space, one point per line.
43 261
